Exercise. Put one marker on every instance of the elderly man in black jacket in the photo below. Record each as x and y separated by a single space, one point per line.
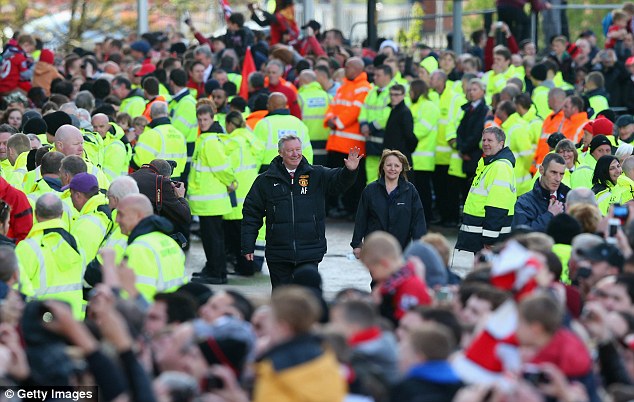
291 195
537 207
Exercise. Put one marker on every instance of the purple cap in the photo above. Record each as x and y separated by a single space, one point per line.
83 182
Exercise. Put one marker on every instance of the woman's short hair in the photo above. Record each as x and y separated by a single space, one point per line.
399 155
567 145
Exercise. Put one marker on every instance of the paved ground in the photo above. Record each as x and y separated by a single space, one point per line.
339 269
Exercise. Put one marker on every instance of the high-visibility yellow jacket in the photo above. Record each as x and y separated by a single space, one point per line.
540 99
182 109
93 148
133 104
375 111
92 225
535 123
426 114
314 102
42 187
449 104
582 176
490 205
610 195
156 259
497 81
161 140
53 264
245 166
519 141
19 171
116 157
276 125
628 187
210 175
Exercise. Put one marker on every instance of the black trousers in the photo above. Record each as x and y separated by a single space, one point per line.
232 244
441 189
349 199
282 272
459 189
423 184
213 238
517 20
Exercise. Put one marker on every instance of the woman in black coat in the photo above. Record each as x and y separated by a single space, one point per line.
390 204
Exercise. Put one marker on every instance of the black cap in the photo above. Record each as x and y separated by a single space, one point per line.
35 125
316 26
624 120
554 139
539 71
604 252
178 48
598 141
55 120
210 85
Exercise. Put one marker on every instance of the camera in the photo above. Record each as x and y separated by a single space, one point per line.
534 375
621 212
213 382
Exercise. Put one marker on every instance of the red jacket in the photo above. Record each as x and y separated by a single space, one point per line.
402 291
21 217
567 352
15 72
200 88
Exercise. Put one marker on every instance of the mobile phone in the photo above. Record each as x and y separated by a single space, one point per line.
534 374
613 227
444 294
499 24
213 382
621 212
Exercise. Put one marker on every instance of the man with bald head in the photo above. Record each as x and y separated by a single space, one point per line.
342 118
314 101
156 259
50 255
278 123
274 71
116 148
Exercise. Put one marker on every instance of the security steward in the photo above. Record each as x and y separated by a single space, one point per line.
51 263
291 195
160 140
94 222
314 102
117 150
488 210
156 259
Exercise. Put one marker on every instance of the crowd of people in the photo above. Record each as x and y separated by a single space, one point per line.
112 159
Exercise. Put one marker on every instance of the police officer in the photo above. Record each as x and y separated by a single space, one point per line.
314 102
51 262
278 123
160 140
291 195
156 259
489 208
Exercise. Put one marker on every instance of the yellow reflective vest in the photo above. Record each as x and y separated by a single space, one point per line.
161 140
116 157
53 263
210 175
19 171
276 125
244 163
610 195
182 110
449 103
314 102
133 104
92 225
426 114
519 141
540 99
156 259
375 111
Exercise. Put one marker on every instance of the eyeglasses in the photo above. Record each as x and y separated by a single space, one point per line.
395 94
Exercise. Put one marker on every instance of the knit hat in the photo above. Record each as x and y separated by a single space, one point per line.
389 43
539 72
597 141
36 125
435 270
55 120
141 46
430 64
622 121
47 56
588 127
602 126
554 139
145 69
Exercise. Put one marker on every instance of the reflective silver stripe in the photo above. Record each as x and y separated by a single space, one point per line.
373 107
423 153
35 246
175 156
201 168
455 155
44 289
145 280
443 149
260 243
208 197
375 139
50 290
258 253
240 200
502 183
247 167
426 124
528 152
319 152
123 243
185 122
160 281
342 102
470 229
189 159
603 197
525 178
361 89
443 121
94 220
313 116
351 136
495 234
479 191
111 172
147 148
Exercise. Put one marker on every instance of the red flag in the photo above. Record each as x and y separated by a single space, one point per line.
248 66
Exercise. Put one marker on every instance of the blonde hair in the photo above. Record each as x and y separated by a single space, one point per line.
588 216
399 155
